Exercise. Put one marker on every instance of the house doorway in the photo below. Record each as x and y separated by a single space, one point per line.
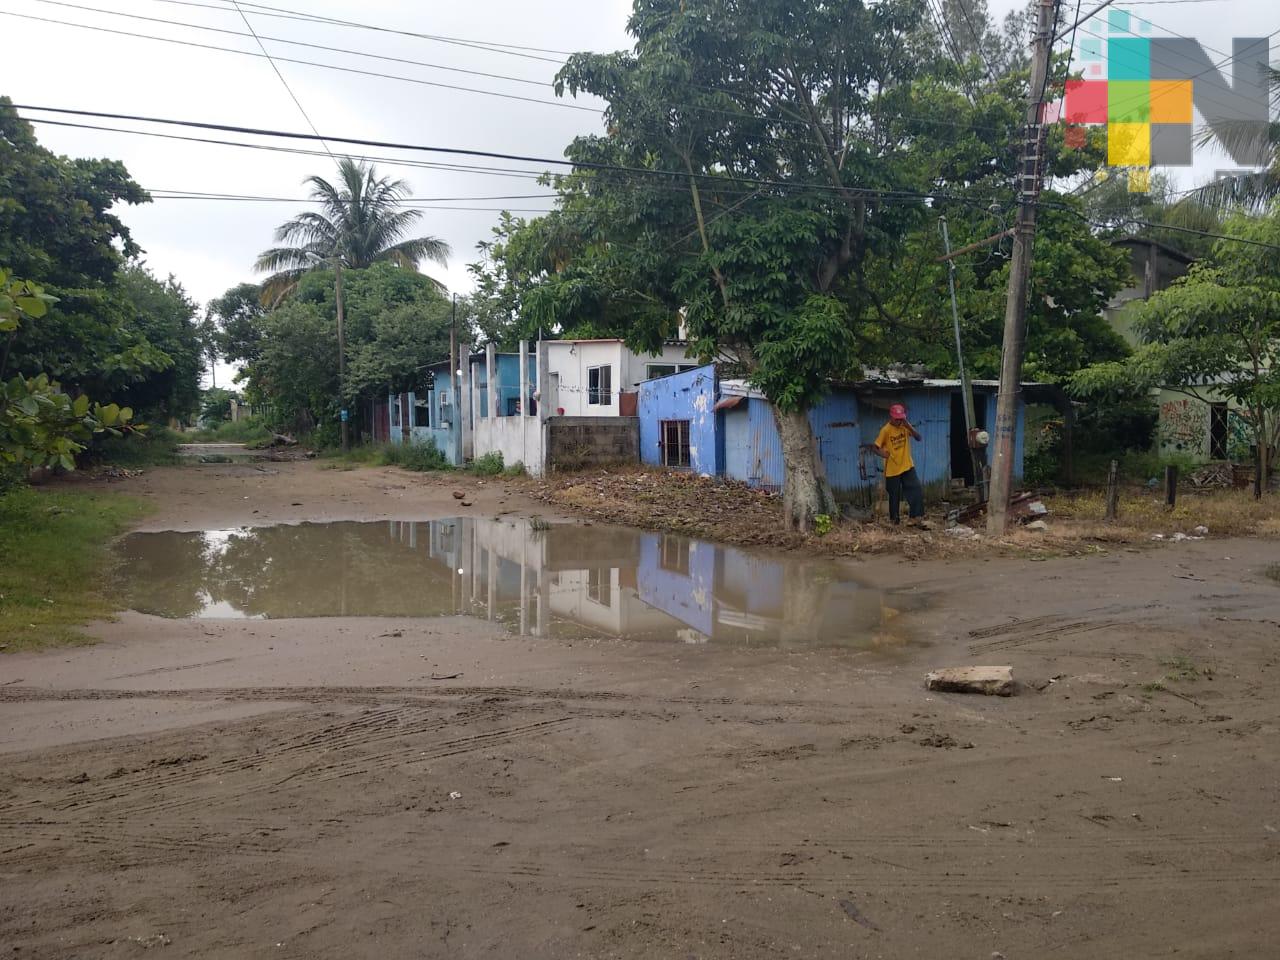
961 460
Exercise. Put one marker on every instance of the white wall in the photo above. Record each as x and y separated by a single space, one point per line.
569 360
518 439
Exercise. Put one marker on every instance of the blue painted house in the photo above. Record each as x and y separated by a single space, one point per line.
431 414
693 420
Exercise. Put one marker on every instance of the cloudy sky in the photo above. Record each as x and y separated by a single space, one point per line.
210 244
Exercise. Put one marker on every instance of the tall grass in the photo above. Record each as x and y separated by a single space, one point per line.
54 563
249 430
421 457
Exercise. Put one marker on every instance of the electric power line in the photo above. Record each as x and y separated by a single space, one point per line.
292 96
681 176
296 43
308 63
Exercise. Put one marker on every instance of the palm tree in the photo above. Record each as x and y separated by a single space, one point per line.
358 225
1251 192
360 222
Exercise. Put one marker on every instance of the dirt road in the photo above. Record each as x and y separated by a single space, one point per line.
307 788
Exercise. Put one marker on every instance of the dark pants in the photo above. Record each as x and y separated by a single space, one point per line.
905 485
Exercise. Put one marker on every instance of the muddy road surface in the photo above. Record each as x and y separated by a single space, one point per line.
532 759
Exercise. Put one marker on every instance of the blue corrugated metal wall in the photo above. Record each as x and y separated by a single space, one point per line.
753 450
690 395
687 594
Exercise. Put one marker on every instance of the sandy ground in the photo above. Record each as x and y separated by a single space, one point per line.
303 788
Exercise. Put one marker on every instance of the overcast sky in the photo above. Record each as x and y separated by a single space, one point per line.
210 245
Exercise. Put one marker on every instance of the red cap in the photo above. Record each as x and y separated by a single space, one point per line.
897 412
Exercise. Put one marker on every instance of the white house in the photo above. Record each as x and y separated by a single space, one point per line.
599 378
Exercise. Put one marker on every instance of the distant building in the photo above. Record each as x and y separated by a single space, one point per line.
1196 421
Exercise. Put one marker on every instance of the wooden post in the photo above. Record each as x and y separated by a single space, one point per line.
1170 486
1113 489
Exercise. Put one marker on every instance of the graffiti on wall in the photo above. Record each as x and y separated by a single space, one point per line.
1183 424
1240 434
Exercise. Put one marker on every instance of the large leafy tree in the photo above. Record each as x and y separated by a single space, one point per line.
801 153
114 330
361 221
397 323
773 196
1214 332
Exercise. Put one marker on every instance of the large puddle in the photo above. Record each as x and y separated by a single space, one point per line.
565 580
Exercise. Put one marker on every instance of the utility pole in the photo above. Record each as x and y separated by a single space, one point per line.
342 358
1015 313
455 383
966 388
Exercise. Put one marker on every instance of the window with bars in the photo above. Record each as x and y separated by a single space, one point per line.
1219 430
600 385
674 440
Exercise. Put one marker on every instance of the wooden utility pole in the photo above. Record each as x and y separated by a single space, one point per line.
1015 313
1113 490
345 414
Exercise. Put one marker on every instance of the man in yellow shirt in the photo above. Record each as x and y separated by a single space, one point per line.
894 444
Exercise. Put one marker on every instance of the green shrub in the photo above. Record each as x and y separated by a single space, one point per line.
250 430
414 456
489 465
517 469
157 447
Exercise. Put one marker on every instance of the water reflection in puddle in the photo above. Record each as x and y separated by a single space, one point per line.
563 581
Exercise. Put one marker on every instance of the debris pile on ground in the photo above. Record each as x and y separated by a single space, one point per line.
961 532
1212 475
990 681
679 502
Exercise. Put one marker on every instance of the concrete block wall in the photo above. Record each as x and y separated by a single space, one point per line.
575 443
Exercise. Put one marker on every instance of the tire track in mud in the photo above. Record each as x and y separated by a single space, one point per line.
1060 631
932 876
317 755
370 695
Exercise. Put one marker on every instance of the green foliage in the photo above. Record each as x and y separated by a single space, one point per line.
852 113
823 524
40 425
53 554
157 447
1216 329
115 330
361 221
421 457
215 405
237 320
488 465
250 430
396 322
516 469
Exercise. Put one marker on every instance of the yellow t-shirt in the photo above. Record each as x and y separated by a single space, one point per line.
896 441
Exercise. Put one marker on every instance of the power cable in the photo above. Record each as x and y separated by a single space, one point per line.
843 191
784 121
977 41
297 43
282 13
308 63
293 96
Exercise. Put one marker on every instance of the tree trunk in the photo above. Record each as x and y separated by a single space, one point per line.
805 491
